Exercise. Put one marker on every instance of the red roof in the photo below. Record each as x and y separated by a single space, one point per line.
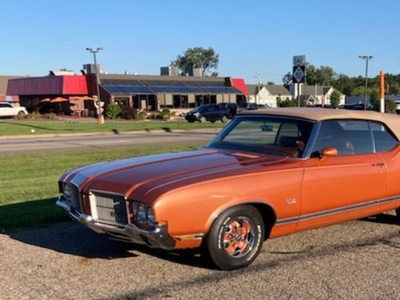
48 85
240 84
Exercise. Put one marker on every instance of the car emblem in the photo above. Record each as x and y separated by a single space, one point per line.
291 201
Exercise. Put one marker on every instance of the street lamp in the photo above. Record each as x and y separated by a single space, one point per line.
100 118
366 58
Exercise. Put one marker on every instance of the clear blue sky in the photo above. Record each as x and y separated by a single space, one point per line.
251 37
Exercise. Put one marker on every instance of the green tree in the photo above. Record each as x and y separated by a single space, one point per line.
287 79
335 98
319 76
373 95
325 75
205 59
311 75
358 91
392 86
344 84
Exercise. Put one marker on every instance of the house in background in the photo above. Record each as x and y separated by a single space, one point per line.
316 95
267 94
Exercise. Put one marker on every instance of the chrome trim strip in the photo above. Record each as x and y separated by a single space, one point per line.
93 207
335 211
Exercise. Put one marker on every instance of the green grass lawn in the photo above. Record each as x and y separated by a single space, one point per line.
28 127
28 181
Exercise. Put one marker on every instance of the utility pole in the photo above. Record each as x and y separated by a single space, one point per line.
100 118
366 58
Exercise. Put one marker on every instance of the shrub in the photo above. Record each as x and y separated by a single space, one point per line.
113 111
159 116
155 115
51 116
165 114
390 106
288 103
166 111
36 115
128 113
141 115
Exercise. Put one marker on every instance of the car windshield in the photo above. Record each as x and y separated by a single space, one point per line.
243 105
272 135
200 108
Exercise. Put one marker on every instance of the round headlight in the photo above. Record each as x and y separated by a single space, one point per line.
67 191
139 212
150 215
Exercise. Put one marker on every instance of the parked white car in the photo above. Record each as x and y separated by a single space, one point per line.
7 110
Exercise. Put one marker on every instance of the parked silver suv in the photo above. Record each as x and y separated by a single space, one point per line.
7 110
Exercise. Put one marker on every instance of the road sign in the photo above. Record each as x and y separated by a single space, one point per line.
299 74
299 60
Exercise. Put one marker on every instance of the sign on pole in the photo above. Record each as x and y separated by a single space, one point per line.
299 68
299 73
299 60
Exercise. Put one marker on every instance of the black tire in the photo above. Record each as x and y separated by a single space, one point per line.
398 215
202 119
21 114
235 238
224 119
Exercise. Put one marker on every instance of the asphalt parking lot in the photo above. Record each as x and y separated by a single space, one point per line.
353 260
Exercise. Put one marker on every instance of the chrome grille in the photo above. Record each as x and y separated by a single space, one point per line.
111 208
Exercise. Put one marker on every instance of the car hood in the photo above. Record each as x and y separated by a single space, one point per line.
137 177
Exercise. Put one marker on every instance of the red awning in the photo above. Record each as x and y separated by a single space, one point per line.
240 84
75 85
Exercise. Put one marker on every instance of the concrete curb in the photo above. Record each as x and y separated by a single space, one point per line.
34 135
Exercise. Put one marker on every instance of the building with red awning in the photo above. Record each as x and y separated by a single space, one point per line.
147 92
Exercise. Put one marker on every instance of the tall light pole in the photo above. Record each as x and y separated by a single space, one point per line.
366 58
100 118
259 81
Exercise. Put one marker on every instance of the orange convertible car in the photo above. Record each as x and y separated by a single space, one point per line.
268 173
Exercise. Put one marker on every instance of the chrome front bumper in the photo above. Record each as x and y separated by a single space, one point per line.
156 238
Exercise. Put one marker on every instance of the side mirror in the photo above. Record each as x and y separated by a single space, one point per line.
329 152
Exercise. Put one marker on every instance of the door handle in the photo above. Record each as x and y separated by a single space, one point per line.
379 164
